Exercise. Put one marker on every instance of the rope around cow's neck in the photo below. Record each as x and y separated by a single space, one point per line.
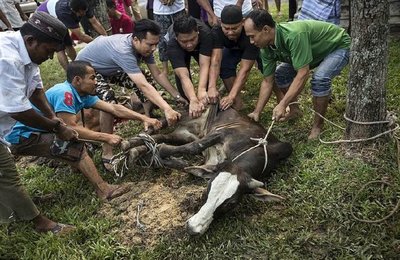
261 141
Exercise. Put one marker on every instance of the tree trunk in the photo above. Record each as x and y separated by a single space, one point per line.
100 12
366 97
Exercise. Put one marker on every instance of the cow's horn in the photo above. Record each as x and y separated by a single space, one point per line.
253 183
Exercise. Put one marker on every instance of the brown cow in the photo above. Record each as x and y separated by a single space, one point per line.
222 136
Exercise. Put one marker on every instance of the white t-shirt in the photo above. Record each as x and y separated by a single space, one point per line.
11 12
220 4
160 9
20 77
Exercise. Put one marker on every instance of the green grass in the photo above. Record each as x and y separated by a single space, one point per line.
314 222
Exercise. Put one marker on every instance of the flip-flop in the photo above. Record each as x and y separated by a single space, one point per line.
59 229
107 164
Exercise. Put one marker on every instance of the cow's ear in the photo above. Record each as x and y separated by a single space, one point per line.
264 195
204 171
253 183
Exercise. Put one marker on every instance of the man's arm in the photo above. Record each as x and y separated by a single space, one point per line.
294 90
125 113
240 3
242 75
161 78
39 100
263 97
205 4
215 67
83 37
97 26
31 118
21 13
204 64
195 106
4 19
151 93
85 133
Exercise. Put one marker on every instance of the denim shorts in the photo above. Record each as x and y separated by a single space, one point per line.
321 80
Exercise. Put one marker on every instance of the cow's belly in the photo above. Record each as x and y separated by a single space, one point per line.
215 155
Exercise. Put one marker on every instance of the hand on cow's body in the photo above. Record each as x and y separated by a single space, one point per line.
226 102
202 96
213 95
181 101
172 116
254 116
114 140
196 108
279 112
66 133
152 122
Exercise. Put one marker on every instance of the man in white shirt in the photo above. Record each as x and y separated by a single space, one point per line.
165 13
14 14
20 54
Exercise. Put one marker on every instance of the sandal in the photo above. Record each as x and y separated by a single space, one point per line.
107 164
59 229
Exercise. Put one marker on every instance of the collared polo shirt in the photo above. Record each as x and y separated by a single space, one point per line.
302 43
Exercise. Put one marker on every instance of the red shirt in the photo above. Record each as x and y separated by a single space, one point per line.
122 25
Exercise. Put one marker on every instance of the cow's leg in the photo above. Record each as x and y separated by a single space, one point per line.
136 153
175 163
192 148
178 137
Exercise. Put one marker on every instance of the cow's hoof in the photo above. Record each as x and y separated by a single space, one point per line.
125 145
133 156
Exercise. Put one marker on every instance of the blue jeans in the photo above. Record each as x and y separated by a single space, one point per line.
321 80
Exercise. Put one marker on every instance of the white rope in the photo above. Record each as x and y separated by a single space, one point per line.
358 140
261 141
390 121
115 161
326 119
152 146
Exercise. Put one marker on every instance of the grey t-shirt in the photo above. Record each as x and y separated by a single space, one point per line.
111 54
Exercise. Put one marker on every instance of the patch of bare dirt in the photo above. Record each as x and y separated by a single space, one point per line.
163 210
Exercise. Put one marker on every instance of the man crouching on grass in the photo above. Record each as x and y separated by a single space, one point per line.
67 100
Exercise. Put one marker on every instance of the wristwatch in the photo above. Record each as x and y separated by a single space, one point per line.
178 97
56 127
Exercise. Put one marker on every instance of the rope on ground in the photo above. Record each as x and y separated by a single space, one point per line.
391 119
383 181
261 141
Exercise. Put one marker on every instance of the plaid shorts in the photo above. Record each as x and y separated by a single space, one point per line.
40 144
105 92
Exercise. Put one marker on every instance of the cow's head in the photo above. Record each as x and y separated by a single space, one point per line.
224 191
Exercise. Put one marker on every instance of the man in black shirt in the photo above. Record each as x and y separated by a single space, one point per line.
191 38
70 13
232 46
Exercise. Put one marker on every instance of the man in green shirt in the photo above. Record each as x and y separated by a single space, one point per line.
301 46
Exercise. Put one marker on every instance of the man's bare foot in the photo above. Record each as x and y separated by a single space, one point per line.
43 225
315 131
113 191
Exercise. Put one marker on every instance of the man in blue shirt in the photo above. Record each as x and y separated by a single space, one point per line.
67 100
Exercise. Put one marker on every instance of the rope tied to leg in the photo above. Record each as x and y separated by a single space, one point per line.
260 141
152 147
